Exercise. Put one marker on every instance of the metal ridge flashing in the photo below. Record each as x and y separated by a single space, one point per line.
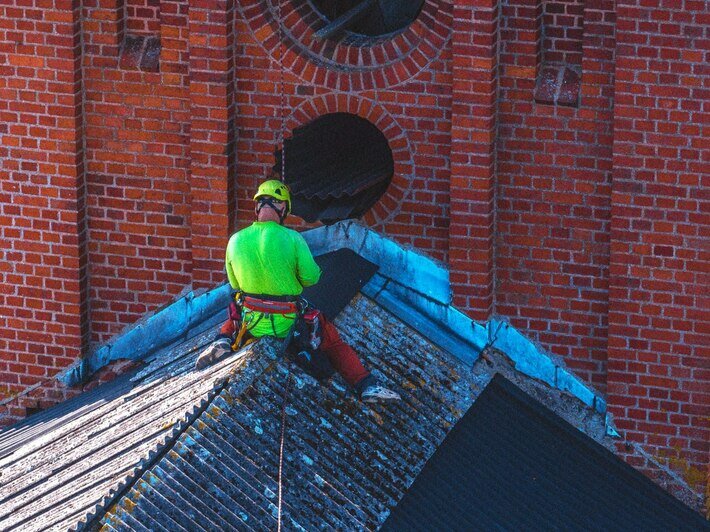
531 360
408 266
157 331
416 289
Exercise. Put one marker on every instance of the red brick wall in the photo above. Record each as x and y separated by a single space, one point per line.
142 16
402 86
212 138
581 219
563 22
473 128
553 199
138 168
658 375
43 258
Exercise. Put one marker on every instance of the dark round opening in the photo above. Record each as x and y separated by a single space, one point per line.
337 167
372 18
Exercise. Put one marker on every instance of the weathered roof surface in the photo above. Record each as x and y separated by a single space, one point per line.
513 464
170 448
64 464
346 464
58 465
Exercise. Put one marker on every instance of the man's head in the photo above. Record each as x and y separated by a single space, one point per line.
273 201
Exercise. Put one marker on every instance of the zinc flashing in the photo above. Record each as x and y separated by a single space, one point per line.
173 322
416 289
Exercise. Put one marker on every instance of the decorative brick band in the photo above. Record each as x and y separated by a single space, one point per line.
356 62
389 204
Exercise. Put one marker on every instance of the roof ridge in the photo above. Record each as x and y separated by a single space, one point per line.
416 289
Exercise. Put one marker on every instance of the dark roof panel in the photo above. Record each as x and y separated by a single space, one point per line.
512 464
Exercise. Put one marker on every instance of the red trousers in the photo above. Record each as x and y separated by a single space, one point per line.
341 356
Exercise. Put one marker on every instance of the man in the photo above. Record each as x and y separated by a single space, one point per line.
271 265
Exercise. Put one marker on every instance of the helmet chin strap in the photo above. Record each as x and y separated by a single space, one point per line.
266 200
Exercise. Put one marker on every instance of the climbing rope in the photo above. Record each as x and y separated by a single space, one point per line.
282 134
282 141
281 447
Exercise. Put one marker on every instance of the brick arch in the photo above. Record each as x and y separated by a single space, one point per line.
355 62
389 205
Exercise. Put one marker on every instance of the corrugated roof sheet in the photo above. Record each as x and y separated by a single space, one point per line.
512 464
58 465
170 448
346 463
63 464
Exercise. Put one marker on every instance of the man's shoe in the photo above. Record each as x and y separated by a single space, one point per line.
213 352
376 393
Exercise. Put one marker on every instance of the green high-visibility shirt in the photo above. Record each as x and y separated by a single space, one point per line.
270 259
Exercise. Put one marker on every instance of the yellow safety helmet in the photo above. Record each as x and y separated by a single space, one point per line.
275 189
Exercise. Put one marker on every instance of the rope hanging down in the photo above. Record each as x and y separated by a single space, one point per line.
282 137
282 134
281 447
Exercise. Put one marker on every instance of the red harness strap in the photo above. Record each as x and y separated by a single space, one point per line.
270 307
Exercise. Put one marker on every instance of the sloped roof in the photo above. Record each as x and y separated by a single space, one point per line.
168 447
56 466
62 468
511 462
346 463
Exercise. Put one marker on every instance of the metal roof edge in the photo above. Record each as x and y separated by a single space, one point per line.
530 359
157 331
445 326
402 286
408 266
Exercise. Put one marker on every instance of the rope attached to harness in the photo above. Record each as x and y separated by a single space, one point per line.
281 446
270 305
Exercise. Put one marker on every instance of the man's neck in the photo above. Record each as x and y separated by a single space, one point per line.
268 215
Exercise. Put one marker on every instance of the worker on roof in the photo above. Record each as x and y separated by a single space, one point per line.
269 265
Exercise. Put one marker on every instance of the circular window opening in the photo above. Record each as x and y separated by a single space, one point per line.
371 18
337 167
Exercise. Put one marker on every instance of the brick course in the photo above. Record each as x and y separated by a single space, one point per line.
43 257
658 378
133 133
554 192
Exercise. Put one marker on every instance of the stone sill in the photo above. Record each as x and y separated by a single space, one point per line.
140 52
558 85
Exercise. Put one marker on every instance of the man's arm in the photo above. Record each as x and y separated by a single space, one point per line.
228 264
307 270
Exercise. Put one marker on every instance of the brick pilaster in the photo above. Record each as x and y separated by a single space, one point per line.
521 38
43 258
212 136
104 28
473 117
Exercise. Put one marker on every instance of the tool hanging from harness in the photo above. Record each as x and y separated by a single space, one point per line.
305 338
247 310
